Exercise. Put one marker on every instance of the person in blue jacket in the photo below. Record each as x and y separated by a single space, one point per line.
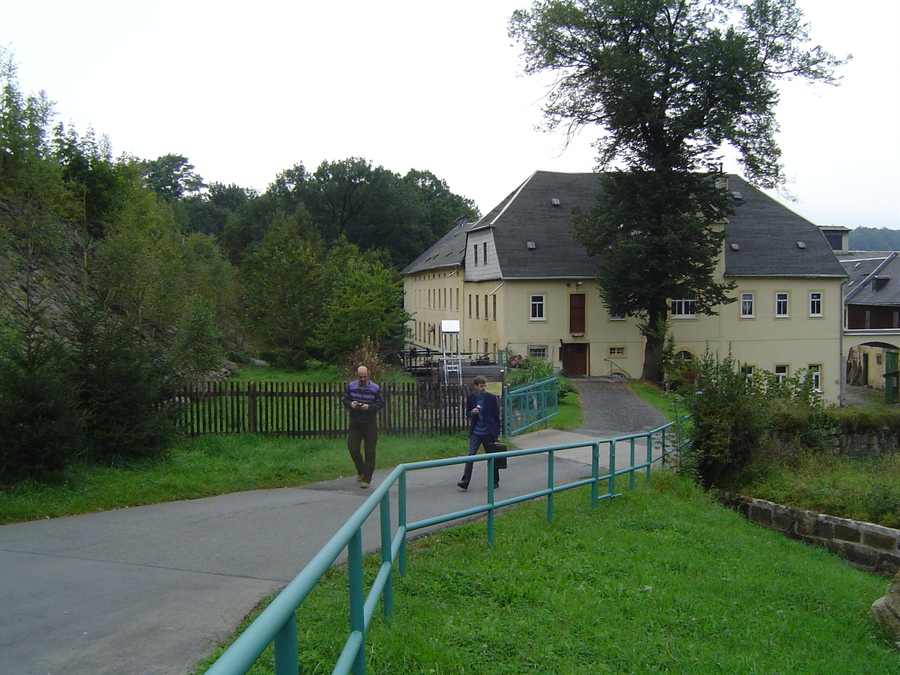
362 398
483 412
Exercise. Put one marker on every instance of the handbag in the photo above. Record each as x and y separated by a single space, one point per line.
500 462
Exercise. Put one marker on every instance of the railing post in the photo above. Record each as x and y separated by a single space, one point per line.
550 481
507 405
612 467
401 520
357 599
490 513
387 598
649 454
287 661
631 473
595 474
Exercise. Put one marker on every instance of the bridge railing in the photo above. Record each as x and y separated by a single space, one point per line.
277 623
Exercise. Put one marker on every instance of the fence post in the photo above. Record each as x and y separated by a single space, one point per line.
251 407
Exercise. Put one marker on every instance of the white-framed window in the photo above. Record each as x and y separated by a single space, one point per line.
616 317
538 312
782 304
781 372
617 352
684 308
815 303
816 370
537 351
748 305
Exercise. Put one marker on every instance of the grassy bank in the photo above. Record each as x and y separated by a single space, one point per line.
660 580
207 466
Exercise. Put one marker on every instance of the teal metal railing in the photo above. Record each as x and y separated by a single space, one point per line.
528 405
277 624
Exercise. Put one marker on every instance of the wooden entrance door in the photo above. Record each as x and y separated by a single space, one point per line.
575 359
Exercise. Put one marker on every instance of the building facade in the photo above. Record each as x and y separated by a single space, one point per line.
516 281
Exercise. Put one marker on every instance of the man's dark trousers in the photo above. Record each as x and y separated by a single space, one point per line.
476 441
365 435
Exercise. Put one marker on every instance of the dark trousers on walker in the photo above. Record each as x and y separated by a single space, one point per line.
476 441
366 435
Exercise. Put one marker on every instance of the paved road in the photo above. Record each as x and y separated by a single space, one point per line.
151 590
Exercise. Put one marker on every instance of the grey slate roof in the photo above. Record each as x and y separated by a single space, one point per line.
874 278
765 232
447 251
768 235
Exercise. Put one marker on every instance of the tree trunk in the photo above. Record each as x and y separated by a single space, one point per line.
653 345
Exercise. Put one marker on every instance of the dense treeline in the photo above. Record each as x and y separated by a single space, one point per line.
124 277
874 239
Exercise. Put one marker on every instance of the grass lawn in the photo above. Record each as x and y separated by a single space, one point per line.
207 466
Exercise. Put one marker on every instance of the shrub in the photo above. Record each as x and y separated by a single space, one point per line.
728 421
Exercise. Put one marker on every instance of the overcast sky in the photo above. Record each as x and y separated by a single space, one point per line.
245 90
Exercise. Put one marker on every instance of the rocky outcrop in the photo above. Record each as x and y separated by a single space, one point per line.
886 610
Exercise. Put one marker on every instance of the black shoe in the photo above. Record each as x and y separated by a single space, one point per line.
496 484
463 484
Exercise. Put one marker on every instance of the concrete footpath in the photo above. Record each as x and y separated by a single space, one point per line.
152 590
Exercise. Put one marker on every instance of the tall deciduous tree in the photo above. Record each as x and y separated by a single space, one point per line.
671 82
363 303
171 177
283 286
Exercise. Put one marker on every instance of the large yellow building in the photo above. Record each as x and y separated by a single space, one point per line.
517 281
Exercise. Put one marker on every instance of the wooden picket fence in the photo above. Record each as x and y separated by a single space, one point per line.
314 409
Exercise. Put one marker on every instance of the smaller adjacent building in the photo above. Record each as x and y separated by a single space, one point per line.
872 315
517 281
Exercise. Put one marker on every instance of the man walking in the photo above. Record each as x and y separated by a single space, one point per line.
483 412
363 399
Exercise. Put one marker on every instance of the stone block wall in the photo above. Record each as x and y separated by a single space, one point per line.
866 545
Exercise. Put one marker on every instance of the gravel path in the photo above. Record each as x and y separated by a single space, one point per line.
610 408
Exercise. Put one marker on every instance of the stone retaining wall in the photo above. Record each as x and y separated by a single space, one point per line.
866 545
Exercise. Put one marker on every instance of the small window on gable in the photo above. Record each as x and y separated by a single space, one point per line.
484 253
815 303
475 253
782 305
537 308
748 305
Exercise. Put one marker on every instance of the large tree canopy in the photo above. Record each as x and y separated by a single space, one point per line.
671 82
